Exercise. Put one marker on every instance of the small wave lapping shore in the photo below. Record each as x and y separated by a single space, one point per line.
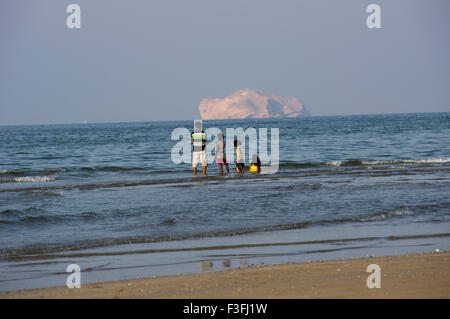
410 276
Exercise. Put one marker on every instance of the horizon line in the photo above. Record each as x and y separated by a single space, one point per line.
270 118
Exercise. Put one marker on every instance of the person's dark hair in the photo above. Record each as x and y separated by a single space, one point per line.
235 143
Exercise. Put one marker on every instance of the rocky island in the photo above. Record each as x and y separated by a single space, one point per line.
248 103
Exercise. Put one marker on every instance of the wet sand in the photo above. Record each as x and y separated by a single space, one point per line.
410 276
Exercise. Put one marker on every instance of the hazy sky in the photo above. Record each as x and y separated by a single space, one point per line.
156 59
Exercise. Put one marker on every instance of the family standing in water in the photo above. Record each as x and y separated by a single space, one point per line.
199 140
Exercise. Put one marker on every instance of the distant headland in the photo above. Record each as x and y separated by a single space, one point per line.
248 103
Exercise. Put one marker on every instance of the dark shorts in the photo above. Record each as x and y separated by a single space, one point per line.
240 165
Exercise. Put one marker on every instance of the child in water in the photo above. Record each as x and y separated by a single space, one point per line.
255 165
239 157
220 154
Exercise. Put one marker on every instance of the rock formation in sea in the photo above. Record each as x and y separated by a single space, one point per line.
248 103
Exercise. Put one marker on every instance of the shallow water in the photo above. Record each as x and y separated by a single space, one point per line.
347 186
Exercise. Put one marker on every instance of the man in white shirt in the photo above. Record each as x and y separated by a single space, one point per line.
199 139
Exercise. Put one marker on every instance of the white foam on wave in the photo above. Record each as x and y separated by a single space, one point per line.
334 163
430 160
7 171
30 179
401 211
427 161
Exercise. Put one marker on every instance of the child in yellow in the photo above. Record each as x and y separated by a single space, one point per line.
239 157
255 165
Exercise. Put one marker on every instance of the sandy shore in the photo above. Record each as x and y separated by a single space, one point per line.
411 276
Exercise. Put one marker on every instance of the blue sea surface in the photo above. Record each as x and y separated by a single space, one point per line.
109 197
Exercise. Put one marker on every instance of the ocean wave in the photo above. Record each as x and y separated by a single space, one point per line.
10 213
299 165
45 175
12 172
23 219
30 175
112 169
35 252
32 217
400 211
409 161
14 218
334 163
31 179
357 162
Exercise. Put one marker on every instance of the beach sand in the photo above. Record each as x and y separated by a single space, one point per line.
410 276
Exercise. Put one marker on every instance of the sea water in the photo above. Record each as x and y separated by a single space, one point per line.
109 197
